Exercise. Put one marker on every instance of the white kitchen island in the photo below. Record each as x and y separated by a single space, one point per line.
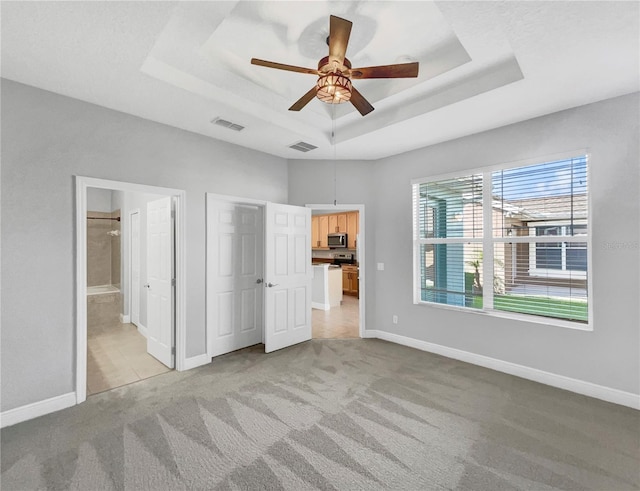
326 289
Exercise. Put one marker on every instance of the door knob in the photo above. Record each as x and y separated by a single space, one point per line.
259 280
271 285
147 285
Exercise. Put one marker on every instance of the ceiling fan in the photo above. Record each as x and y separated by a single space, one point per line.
335 73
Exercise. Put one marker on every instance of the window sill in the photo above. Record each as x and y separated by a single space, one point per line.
534 319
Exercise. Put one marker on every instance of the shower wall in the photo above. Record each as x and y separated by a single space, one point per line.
103 249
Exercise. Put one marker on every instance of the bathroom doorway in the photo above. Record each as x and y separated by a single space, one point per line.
130 245
117 337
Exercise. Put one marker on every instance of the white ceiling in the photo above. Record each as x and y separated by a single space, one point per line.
482 65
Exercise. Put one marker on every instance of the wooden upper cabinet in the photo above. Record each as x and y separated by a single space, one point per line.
333 223
315 232
342 223
338 223
323 225
323 231
352 228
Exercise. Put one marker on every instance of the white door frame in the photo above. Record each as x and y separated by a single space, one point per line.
82 183
132 212
361 254
240 201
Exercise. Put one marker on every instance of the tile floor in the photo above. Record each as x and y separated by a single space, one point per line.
117 355
338 322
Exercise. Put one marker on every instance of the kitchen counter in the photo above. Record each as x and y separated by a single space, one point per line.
326 289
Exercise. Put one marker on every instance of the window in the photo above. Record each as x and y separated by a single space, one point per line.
449 237
555 258
524 228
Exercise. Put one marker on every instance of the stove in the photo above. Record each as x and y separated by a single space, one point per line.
340 258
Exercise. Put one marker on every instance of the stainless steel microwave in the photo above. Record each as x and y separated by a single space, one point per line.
337 240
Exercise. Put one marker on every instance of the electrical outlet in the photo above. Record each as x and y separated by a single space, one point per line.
380 266
395 319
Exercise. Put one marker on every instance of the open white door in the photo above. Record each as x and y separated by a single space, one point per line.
160 333
288 276
235 268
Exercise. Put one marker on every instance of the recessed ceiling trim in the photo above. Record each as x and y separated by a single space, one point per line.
501 73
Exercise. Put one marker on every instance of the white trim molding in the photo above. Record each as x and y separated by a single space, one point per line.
196 361
608 394
142 329
124 319
320 306
36 409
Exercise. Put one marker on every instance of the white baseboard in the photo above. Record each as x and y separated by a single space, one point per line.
36 409
195 361
320 306
125 319
142 330
560 381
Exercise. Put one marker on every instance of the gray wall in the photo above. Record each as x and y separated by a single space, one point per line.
608 356
311 182
99 200
46 140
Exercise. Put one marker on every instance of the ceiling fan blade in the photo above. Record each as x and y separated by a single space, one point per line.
304 100
339 32
360 103
401 70
282 66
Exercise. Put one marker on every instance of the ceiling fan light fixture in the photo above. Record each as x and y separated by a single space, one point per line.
334 88
335 72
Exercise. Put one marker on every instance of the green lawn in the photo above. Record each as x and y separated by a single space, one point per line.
563 309
574 310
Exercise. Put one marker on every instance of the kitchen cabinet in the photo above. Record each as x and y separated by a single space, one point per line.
315 232
352 228
338 223
350 282
326 287
323 231
343 223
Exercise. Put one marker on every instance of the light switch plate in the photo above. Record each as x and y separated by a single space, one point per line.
380 266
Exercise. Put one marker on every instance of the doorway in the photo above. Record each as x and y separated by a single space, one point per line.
343 318
112 350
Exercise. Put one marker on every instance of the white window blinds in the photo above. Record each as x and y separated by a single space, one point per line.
508 240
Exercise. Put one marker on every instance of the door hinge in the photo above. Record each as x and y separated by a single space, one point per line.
173 213
173 350
173 282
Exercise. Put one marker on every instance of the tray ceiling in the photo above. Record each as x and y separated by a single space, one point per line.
482 65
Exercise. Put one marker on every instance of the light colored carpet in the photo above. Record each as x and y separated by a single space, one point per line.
330 415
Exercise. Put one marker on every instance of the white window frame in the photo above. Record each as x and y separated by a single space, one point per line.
488 243
564 240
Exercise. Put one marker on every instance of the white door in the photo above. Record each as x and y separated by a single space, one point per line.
160 333
235 259
134 220
288 276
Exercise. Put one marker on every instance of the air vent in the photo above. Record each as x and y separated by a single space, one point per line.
227 124
302 146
